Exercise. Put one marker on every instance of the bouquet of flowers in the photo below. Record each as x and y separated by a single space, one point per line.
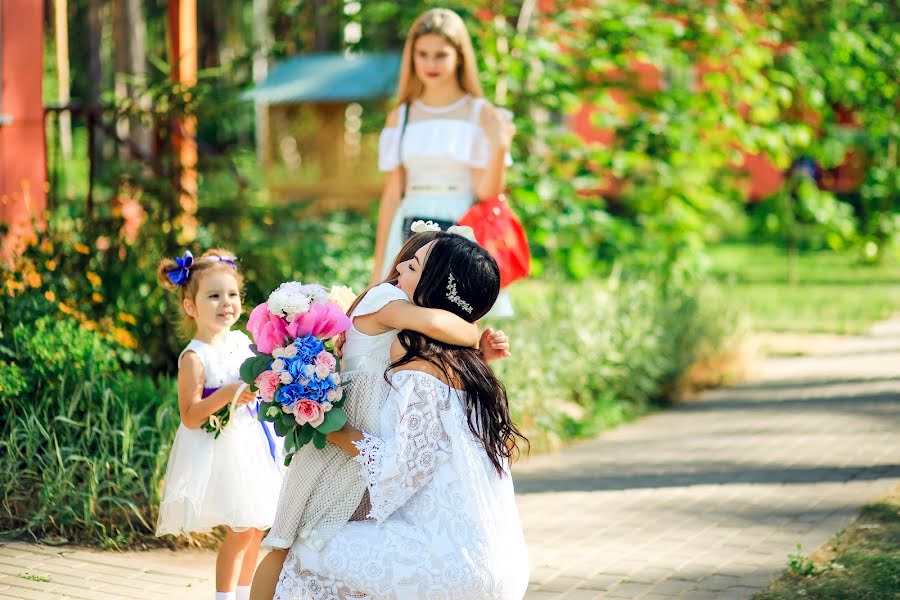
295 372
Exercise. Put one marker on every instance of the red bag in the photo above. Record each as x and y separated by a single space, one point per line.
499 231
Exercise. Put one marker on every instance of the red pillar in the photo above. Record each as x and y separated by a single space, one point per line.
182 16
23 166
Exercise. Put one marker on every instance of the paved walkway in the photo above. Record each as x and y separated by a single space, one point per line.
699 502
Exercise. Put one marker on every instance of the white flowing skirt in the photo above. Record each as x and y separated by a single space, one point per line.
230 480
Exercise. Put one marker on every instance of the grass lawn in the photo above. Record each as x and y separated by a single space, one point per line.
833 293
861 562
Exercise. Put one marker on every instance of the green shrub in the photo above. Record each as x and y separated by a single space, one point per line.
605 351
83 443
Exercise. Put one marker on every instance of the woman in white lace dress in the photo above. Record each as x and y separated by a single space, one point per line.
444 146
443 521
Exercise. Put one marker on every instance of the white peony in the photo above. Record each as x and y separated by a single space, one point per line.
289 299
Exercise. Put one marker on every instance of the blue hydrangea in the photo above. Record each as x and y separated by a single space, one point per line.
307 348
317 389
288 395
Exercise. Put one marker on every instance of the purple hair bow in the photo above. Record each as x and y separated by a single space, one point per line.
180 275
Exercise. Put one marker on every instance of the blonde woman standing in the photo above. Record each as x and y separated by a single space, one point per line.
444 147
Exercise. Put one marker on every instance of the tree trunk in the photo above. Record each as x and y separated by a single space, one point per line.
61 28
131 70
326 32
261 42
95 88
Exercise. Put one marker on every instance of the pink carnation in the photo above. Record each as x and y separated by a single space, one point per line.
307 411
269 331
324 320
267 382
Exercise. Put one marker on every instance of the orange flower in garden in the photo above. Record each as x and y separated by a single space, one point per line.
124 338
126 318
79 247
51 265
65 308
96 297
46 246
93 278
34 280
14 286
50 296
102 243
89 325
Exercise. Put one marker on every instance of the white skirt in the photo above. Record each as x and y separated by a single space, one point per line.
230 480
443 207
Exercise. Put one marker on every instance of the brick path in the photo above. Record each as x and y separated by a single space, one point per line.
699 502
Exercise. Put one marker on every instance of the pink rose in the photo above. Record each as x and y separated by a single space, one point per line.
307 411
269 331
323 320
325 359
267 382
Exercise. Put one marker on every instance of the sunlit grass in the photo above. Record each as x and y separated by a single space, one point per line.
831 293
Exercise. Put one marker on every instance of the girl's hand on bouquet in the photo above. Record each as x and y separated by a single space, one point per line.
339 342
246 396
494 345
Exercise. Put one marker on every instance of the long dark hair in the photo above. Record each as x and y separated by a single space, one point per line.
461 277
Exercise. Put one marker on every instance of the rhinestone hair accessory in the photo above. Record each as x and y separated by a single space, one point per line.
453 296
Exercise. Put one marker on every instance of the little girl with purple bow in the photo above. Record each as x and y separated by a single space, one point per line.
232 478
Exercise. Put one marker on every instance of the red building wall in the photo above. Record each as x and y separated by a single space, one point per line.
23 170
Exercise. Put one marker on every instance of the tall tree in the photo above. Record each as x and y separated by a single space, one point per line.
61 29
131 69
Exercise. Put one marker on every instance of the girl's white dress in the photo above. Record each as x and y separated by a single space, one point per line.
231 480
445 523
438 148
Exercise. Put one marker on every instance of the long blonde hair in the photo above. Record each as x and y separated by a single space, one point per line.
451 27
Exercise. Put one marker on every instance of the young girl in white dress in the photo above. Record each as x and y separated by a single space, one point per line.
444 146
233 479
324 488
443 518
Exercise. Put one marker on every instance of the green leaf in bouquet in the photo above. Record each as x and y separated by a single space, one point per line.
273 411
305 435
334 420
284 425
290 441
262 410
252 367
319 440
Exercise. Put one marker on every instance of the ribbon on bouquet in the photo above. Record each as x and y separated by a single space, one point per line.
253 407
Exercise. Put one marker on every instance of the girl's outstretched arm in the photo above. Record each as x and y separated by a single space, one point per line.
194 408
439 324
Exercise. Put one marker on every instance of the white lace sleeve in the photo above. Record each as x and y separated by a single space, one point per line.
399 466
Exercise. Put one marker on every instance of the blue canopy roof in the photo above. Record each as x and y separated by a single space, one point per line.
329 77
